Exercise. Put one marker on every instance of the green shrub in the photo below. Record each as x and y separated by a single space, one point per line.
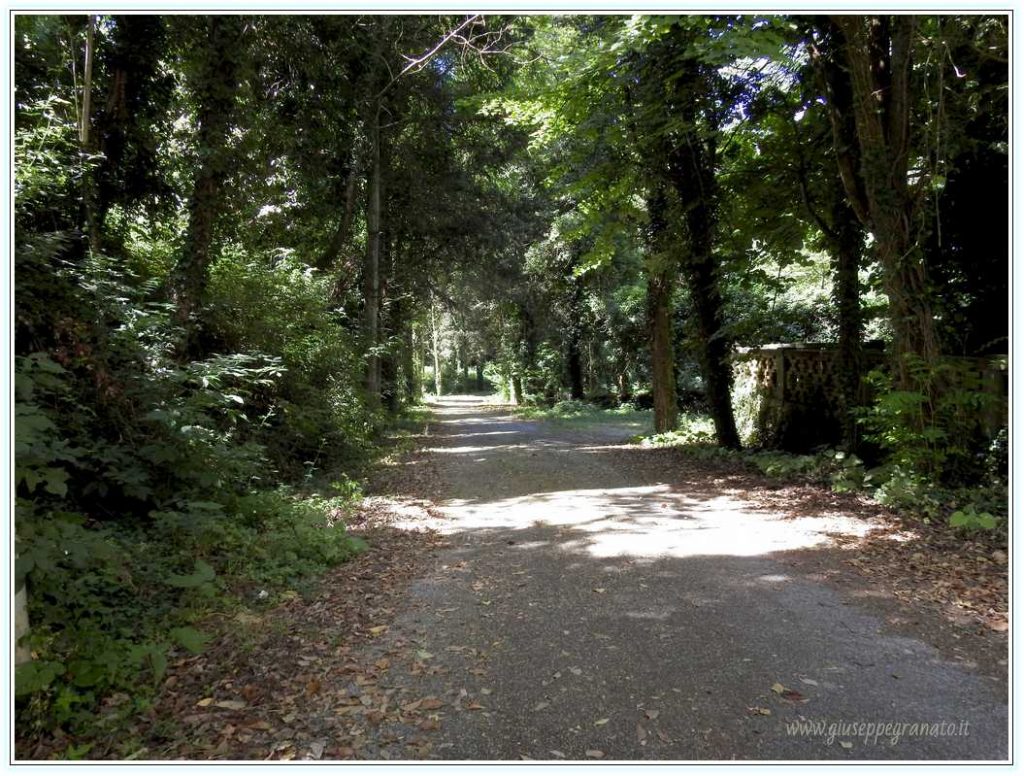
934 430
969 520
691 429
147 489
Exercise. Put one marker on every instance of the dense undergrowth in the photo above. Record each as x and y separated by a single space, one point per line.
152 490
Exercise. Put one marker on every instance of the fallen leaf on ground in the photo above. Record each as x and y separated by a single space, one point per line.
788 694
602 722
759 710
597 754
316 749
376 630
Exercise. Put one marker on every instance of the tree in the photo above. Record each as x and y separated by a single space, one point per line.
876 53
215 82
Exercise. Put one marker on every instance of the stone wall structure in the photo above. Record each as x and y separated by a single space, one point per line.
797 393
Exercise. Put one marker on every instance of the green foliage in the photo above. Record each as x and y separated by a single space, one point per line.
581 415
146 485
108 604
158 443
691 429
934 430
318 418
969 519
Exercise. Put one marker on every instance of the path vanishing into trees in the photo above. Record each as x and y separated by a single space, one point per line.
594 600
549 591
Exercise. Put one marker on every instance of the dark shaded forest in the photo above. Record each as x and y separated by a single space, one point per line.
246 247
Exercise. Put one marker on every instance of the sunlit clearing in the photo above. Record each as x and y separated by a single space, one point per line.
652 521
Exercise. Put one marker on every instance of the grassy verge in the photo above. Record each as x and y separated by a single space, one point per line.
580 415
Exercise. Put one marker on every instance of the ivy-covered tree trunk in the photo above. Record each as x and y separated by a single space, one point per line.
215 86
876 53
692 170
715 349
392 320
410 374
371 268
843 230
847 242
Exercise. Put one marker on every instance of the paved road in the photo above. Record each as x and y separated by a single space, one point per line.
591 607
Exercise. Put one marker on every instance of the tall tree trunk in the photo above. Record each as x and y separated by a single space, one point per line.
371 269
714 354
479 376
692 89
692 169
575 370
843 231
215 91
876 51
573 344
435 347
517 388
622 382
663 361
411 380
86 141
847 248
462 359
389 381
661 272
574 350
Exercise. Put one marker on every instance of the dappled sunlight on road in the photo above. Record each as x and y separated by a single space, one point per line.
649 521
582 491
